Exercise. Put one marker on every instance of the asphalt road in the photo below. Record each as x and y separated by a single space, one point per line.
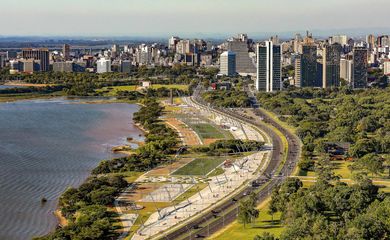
226 213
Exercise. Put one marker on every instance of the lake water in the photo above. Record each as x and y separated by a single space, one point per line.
47 146
8 87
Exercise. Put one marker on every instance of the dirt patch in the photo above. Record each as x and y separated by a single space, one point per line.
168 169
189 137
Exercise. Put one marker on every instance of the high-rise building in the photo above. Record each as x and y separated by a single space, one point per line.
2 60
172 42
298 71
66 51
370 39
269 71
228 63
309 67
63 66
360 65
386 67
331 65
30 65
340 39
383 41
126 66
346 70
244 64
41 54
298 43
183 47
115 51
103 65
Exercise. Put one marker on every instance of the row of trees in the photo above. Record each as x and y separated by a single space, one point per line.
227 98
85 209
230 146
160 141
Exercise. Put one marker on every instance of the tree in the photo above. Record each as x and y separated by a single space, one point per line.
373 163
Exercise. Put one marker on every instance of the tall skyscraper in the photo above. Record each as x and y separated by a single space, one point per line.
331 65
66 51
244 64
298 71
41 54
346 70
269 71
309 71
360 65
228 63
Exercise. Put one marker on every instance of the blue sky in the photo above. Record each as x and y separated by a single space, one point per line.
188 17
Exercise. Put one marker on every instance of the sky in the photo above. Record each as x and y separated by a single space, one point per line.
161 18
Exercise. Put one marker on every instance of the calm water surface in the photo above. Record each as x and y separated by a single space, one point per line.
47 146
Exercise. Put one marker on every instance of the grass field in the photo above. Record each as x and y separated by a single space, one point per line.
263 224
200 166
207 131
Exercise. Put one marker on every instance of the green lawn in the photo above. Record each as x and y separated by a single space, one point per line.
263 224
200 166
207 131
177 86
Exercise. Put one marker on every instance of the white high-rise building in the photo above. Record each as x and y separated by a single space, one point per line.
103 65
346 69
386 67
269 70
228 63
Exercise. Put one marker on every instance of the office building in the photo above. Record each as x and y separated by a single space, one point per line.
309 67
269 69
360 65
41 54
346 70
244 64
103 65
331 65
66 52
228 63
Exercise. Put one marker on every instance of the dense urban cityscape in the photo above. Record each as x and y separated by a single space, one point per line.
276 64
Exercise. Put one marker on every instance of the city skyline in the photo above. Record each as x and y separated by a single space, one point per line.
217 18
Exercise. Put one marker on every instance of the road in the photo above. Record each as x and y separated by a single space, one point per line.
226 213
